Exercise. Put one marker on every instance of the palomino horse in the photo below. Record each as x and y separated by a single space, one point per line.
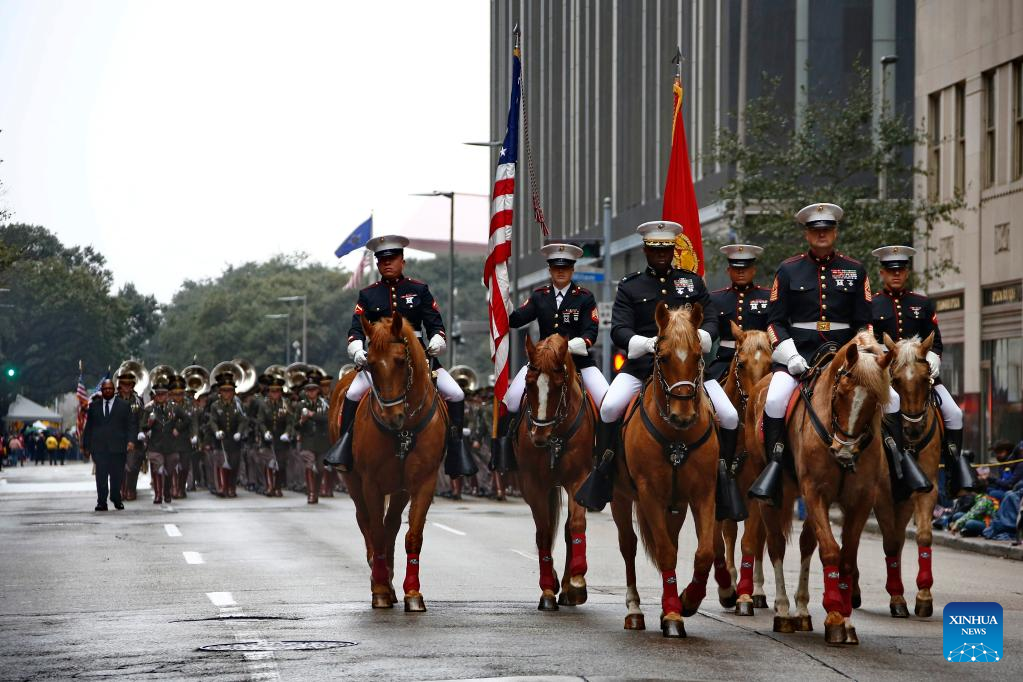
751 363
669 461
398 448
554 447
911 379
835 440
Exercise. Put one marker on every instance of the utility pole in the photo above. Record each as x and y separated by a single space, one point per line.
605 290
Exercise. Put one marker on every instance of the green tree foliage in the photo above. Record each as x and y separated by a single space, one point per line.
835 155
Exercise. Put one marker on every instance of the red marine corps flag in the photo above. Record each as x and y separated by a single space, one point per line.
495 271
680 195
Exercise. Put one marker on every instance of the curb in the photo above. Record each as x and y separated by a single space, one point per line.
1001 549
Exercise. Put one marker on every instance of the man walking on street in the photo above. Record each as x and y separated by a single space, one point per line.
108 433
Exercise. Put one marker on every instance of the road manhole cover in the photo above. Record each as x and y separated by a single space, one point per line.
278 645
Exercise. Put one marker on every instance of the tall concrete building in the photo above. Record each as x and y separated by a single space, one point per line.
969 92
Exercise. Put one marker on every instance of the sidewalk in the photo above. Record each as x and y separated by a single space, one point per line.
73 477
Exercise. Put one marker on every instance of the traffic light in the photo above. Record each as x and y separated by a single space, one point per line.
618 361
10 372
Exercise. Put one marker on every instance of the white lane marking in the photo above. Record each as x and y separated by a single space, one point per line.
221 598
447 528
172 530
193 558
531 557
543 388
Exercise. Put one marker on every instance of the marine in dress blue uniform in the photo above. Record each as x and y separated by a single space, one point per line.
901 313
396 293
744 303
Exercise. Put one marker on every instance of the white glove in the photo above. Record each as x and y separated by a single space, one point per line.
284 438
306 412
705 341
194 440
436 346
640 346
219 435
354 347
577 346
141 436
360 358
267 436
934 362
787 355
466 432
237 437
797 365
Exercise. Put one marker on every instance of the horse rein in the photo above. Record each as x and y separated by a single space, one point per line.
668 391
402 398
556 442
559 411
855 442
406 436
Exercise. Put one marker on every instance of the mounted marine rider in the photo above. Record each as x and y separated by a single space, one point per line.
395 292
559 307
743 303
902 314
819 297
634 327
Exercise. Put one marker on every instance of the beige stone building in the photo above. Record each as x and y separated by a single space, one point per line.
969 95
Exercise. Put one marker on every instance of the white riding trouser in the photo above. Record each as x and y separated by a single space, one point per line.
782 385
448 387
950 412
593 380
625 386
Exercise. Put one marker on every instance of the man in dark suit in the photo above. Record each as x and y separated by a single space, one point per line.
108 438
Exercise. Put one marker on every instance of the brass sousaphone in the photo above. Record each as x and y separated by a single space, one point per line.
161 374
249 378
465 376
137 368
232 367
295 375
197 378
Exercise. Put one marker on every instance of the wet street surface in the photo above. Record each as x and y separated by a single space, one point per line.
183 591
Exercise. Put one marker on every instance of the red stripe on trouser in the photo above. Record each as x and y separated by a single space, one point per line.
924 579
547 579
845 587
696 590
832 595
745 585
578 565
380 572
721 575
411 583
670 603
894 582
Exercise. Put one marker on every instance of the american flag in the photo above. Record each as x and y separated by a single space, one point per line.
358 277
495 272
83 404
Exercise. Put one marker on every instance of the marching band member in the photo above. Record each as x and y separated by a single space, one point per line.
272 426
162 423
314 439
229 426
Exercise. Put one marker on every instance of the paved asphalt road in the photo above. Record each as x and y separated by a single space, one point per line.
134 594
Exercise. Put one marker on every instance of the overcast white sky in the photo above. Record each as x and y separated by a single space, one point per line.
177 137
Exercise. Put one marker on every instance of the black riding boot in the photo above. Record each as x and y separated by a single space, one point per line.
768 486
340 454
502 453
960 474
458 462
903 467
598 488
728 502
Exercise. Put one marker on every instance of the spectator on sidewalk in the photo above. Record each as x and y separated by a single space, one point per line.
64 447
1003 477
52 449
972 523
17 449
1003 523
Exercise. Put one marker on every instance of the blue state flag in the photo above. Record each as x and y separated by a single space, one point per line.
357 239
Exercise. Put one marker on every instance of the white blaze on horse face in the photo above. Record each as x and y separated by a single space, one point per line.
681 354
543 389
756 357
859 396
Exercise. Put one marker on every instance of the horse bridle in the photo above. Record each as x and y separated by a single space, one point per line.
559 412
668 391
855 442
402 398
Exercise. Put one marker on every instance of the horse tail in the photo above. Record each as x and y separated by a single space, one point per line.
646 534
553 510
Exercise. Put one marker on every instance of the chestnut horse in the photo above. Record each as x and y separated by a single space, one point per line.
669 461
911 379
751 363
834 434
398 447
554 447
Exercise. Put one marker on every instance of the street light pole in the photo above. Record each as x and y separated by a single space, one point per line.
305 348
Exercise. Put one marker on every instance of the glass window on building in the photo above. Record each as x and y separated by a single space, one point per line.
934 147
952 369
1017 119
1004 398
990 150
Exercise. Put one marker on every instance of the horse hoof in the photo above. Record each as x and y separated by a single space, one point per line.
572 596
856 600
850 636
899 610
834 634
674 629
548 602
744 608
924 608
635 621
729 601
760 601
414 603
382 601
804 623
784 625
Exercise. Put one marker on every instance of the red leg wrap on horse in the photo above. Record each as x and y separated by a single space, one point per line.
745 585
380 573
924 579
894 582
721 575
845 587
670 603
832 595
411 583
696 590
578 565
547 579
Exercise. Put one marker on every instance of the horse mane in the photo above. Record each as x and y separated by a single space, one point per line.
755 341
547 355
680 325
870 375
906 353
381 338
